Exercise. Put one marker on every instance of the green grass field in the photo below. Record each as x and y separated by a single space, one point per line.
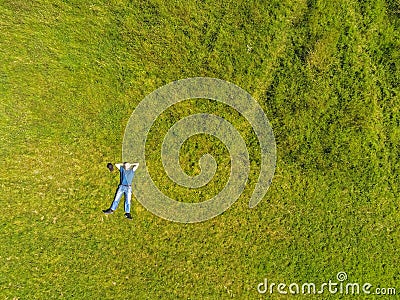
326 74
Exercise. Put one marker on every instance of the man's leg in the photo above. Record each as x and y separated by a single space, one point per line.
117 197
128 196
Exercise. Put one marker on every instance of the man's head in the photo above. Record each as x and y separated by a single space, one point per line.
126 165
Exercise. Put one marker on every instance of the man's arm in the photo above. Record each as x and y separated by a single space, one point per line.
135 166
118 166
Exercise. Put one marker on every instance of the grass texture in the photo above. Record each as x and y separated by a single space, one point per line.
326 74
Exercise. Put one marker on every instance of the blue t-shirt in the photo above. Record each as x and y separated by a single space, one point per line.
126 176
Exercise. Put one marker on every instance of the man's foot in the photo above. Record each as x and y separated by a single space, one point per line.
128 216
108 211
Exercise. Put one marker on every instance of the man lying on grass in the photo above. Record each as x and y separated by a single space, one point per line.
126 171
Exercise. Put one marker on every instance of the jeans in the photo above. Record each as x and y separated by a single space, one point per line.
123 189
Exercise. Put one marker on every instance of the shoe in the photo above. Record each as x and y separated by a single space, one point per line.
128 216
108 211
